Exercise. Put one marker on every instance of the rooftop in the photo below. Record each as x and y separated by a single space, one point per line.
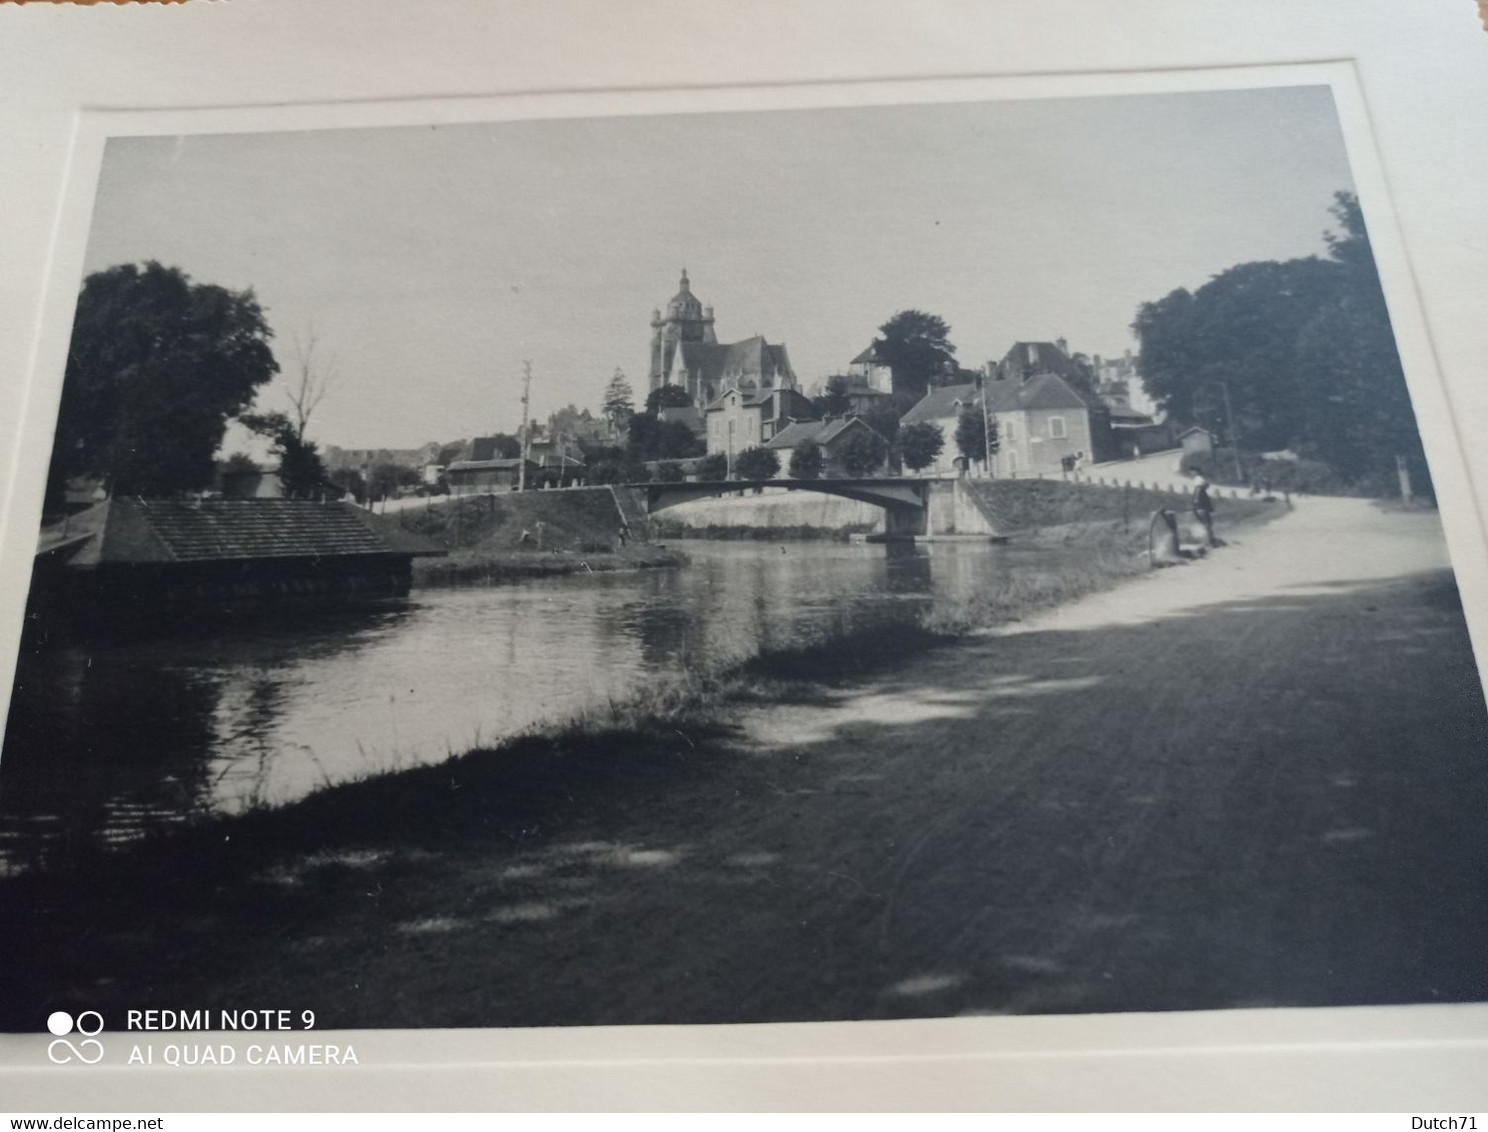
137 531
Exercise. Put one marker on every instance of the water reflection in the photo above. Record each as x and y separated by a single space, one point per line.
109 738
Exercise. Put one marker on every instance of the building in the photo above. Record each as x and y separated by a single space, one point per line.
739 419
829 436
1197 442
942 407
1042 424
870 371
466 477
1120 385
1045 427
139 557
685 351
1030 359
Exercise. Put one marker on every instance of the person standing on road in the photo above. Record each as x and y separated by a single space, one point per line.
1203 507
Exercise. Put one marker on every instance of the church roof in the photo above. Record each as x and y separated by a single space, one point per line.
716 361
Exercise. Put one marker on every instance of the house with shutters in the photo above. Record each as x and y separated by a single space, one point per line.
739 419
1042 424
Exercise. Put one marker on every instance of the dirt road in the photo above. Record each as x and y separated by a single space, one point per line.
1255 780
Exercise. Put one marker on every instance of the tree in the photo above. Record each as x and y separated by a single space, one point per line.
920 444
863 452
1297 355
619 402
385 479
667 397
917 347
651 439
713 467
311 382
505 446
157 367
301 470
1359 416
834 401
756 464
883 417
972 434
1236 338
239 463
806 461
571 421
349 479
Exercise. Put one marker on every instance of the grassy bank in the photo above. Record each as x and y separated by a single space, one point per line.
495 539
475 566
575 520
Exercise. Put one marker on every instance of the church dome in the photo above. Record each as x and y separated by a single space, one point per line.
684 302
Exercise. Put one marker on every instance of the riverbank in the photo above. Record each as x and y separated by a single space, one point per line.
475 566
793 532
509 537
252 878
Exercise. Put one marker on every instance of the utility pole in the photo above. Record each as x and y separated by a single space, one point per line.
986 427
526 397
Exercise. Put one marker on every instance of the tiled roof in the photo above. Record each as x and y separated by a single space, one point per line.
1046 391
144 531
869 356
1050 359
817 432
940 403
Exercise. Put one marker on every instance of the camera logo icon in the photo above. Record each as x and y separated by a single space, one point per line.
88 1050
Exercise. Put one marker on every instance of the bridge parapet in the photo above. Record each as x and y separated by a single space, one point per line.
891 493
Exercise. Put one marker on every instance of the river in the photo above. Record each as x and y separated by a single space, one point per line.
107 740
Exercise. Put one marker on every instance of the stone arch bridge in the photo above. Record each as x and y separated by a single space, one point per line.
905 502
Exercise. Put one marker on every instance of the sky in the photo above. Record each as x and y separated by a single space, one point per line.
433 261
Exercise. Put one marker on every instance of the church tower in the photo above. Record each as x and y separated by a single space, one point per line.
686 320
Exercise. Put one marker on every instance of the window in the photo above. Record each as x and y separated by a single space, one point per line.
1056 428
1007 431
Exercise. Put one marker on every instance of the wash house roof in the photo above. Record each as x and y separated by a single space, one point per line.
137 531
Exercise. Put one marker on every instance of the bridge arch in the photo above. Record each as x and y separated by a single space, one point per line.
905 502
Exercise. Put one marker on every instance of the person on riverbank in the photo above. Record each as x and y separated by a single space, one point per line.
1203 507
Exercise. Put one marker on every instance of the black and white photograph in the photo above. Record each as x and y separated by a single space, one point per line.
848 563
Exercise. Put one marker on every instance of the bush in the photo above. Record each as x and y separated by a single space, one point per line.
670 473
714 467
757 464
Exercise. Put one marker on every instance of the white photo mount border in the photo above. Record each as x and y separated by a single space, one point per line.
1193 1060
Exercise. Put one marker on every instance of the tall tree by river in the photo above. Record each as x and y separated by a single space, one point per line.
157 367
1302 351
